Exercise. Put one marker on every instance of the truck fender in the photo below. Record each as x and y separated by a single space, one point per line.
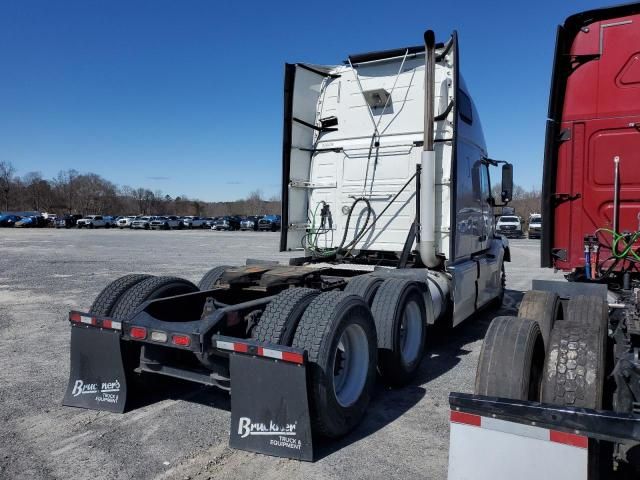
505 246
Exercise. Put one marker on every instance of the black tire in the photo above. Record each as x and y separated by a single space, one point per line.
91 225
575 368
212 277
589 311
389 307
319 332
107 298
543 307
365 286
280 319
511 360
150 289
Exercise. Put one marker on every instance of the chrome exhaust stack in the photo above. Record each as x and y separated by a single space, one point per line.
427 245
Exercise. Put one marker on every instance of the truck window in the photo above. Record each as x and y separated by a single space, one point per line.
464 107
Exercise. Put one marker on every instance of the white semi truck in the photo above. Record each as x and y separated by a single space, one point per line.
387 195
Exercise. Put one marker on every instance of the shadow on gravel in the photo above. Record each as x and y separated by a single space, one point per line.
155 388
445 347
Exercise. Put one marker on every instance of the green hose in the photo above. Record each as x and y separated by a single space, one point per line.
626 245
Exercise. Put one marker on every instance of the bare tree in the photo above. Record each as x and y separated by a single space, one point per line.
6 179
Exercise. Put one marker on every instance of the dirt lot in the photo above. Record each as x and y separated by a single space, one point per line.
45 273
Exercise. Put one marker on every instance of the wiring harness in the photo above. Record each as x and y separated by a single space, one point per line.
622 250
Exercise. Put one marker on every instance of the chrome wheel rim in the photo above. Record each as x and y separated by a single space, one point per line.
350 365
411 333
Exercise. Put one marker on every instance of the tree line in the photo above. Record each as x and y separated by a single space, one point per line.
88 193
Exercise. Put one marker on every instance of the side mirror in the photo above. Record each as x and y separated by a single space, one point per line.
507 182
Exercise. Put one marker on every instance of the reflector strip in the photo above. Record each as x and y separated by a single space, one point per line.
520 429
569 439
111 324
292 357
76 317
240 347
466 418
224 345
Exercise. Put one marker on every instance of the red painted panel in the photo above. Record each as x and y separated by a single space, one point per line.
595 89
602 113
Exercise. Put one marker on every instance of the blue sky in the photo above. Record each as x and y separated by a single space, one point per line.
186 96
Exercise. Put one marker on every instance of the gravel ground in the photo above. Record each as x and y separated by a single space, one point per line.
184 434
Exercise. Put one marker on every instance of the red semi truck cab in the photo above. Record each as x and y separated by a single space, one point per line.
594 118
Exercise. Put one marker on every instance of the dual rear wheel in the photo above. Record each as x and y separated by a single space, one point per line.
547 357
376 324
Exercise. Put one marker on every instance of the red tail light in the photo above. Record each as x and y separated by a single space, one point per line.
181 340
139 333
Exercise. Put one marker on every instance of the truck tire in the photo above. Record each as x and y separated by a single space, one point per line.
401 323
150 289
575 368
588 310
107 298
212 277
338 332
364 286
511 360
543 307
281 317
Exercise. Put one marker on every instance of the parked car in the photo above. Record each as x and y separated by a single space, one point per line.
31 222
143 222
9 220
535 226
125 222
509 226
250 223
210 222
67 221
269 222
94 221
228 222
167 223
193 222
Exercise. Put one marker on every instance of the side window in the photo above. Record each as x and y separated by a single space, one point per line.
464 107
98 218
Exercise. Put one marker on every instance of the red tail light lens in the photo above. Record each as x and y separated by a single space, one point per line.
181 340
139 333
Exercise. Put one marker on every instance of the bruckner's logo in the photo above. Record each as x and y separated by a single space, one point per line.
81 388
246 427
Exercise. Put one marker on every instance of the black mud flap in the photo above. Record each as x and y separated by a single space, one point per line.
97 377
270 407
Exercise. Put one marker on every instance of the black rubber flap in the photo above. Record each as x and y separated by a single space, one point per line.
97 379
270 407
